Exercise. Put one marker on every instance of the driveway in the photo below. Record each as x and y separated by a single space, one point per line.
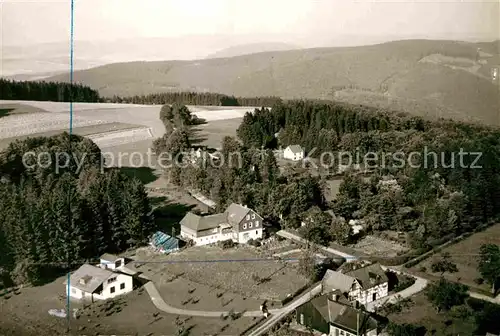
289 235
418 286
159 303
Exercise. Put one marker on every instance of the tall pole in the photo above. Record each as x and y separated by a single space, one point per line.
70 133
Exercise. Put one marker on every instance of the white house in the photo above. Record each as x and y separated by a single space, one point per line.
96 283
363 285
237 223
294 153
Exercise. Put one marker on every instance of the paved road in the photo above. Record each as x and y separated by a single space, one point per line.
281 313
158 301
289 235
418 286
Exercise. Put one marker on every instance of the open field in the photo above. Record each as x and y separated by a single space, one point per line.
379 247
212 133
465 255
27 314
232 270
116 128
420 312
424 77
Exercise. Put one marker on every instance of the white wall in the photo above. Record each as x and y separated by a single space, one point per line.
333 332
288 154
110 264
121 279
366 296
245 236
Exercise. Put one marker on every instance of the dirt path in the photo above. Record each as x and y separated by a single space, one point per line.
288 235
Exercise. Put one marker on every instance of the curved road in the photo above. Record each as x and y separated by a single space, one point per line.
163 306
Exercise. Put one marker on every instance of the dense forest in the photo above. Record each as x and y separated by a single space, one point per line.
195 98
54 216
429 199
47 91
239 174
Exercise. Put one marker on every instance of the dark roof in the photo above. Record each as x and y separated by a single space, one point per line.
94 277
236 213
369 276
335 280
346 317
342 314
199 223
295 149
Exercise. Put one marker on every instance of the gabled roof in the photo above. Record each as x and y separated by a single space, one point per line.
199 223
236 213
347 317
341 314
93 275
296 149
335 280
369 276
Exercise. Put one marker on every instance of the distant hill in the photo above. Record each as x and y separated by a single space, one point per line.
424 77
253 48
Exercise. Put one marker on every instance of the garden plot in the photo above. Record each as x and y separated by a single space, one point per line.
30 123
243 270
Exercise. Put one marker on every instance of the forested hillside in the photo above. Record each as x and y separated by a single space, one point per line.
51 217
46 91
194 98
421 77
430 196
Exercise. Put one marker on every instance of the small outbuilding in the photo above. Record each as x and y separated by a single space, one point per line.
294 153
164 243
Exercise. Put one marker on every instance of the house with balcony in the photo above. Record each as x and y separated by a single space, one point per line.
238 223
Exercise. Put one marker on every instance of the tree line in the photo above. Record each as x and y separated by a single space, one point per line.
237 174
194 98
47 91
54 220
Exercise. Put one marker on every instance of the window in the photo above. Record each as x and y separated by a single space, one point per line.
250 225
256 223
253 216
248 217
122 286
118 263
113 279
256 232
73 290
302 319
244 226
112 290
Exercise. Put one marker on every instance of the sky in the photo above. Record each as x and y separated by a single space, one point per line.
304 22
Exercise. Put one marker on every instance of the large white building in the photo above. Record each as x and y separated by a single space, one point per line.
238 223
294 153
363 285
98 283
